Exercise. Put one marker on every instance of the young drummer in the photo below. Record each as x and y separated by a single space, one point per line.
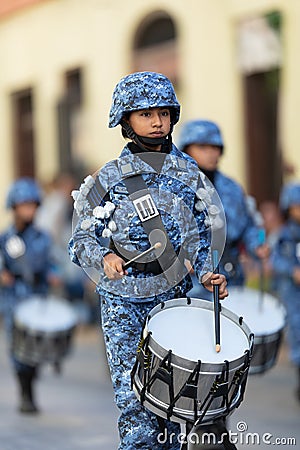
119 203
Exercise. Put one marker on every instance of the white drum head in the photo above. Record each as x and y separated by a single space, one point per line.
263 314
189 332
45 314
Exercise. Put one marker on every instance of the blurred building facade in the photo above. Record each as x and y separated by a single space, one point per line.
231 61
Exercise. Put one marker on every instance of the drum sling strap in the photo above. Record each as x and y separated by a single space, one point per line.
172 265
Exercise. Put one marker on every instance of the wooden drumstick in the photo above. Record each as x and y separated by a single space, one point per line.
127 264
154 247
216 302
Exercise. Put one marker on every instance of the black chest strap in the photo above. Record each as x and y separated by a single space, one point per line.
171 264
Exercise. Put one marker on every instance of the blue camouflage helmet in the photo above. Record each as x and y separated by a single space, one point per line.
23 190
290 195
142 90
200 132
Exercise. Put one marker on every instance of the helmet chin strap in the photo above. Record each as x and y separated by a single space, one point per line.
151 141
142 142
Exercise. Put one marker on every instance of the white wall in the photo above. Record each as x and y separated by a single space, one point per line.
39 44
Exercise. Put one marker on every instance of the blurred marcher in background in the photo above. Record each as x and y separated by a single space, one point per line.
203 141
272 222
25 269
55 216
254 268
285 259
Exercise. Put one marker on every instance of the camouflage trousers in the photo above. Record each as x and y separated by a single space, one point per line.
122 323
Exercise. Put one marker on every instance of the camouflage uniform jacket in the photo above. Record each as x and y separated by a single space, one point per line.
174 193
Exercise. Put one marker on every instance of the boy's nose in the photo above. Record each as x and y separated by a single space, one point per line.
156 119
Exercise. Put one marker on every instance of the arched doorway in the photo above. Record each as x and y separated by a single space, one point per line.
155 46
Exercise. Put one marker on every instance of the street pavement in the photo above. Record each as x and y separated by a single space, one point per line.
77 409
270 412
78 413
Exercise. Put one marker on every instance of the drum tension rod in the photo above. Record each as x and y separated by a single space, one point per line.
163 373
219 388
240 379
141 356
189 390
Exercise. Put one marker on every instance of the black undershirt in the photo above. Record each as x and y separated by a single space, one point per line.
156 163
209 173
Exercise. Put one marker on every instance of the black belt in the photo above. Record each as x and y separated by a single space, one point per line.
150 267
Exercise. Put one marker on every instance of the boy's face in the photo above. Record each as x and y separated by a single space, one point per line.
151 123
294 213
206 156
25 212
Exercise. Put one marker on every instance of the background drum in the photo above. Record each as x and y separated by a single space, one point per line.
42 330
178 374
266 317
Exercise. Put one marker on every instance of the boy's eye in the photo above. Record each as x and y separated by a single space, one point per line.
164 113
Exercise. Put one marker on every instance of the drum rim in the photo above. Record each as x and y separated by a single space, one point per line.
34 332
37 299
270 298
189 365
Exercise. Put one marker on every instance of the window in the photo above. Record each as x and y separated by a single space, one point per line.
69 113
23 133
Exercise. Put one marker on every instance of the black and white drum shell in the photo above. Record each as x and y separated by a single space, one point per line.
187 328
43 330
266 317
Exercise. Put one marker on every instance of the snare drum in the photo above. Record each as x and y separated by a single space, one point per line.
178 375
266 317
42 330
